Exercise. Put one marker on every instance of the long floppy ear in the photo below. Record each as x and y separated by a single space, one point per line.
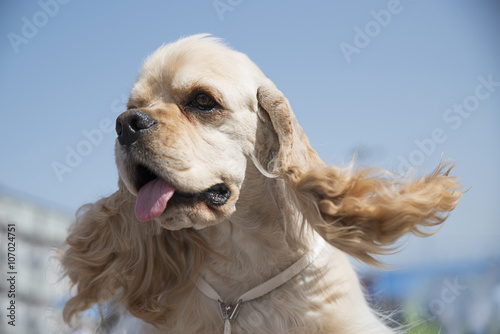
293 151
362 212
112 256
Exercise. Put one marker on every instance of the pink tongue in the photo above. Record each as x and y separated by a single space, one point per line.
152 199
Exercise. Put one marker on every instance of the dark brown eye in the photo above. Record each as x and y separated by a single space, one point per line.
203 102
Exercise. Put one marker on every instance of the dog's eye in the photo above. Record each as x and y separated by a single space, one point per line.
203 102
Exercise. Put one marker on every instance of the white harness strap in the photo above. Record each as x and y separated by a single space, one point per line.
230 312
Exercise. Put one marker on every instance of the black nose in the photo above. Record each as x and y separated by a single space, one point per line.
131 124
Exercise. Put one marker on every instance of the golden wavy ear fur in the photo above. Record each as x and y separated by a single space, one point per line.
361 212
112 255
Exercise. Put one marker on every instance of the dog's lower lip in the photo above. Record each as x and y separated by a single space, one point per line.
217 195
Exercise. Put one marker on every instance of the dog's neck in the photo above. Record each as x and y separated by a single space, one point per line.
261 239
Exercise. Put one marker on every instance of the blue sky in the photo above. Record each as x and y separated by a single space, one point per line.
66 67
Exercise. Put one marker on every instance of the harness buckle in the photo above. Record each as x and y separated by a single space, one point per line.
229 312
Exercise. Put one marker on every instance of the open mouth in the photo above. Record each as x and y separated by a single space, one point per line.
155 193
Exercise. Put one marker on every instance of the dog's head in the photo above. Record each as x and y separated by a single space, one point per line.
195 118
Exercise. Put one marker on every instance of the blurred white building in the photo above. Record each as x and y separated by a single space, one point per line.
39 291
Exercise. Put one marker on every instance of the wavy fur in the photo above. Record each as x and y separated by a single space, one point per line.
362 212
111 253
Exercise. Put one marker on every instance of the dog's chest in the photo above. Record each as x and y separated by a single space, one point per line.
293 308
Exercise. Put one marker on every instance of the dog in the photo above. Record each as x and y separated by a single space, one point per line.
226 220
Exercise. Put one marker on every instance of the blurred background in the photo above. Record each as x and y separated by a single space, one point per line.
400 84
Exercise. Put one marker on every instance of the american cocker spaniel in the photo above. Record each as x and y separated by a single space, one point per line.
225 219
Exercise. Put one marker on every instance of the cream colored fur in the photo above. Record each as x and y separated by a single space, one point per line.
283 198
